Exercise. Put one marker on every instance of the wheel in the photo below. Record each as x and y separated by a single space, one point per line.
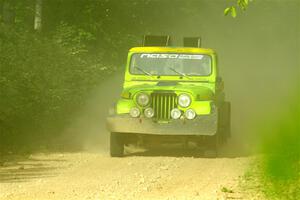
116 145
224 122
212 148
227 125
210 153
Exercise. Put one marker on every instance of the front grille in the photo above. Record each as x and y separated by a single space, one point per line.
162 104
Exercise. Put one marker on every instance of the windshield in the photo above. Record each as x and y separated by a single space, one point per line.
170 64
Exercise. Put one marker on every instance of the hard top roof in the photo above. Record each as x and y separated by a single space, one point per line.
172 50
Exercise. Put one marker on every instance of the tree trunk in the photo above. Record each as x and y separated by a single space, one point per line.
38 15
1 11
8 13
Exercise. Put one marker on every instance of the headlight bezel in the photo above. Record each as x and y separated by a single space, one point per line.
132 110
192 111
187 97
149 109
143 95
175 110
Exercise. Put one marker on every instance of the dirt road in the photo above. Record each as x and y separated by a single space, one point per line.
174 174
158 174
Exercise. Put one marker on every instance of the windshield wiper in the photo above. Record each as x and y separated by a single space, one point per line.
145 72
178 72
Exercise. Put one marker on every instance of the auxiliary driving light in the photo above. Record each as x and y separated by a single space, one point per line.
149 112
184 100
143 99
134 112
190 114
175 113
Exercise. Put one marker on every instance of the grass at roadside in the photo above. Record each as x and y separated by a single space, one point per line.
276 174
258 184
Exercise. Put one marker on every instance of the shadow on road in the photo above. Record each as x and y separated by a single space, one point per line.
233 149
26 168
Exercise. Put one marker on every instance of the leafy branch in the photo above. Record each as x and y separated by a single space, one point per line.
232 10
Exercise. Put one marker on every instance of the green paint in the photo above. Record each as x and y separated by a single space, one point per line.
202 89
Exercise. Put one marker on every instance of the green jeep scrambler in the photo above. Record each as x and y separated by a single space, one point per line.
170 94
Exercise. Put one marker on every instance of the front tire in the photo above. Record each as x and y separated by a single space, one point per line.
116 145
228 119
213 145
224 121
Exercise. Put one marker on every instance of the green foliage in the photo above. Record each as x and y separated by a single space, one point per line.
73 38
281 163
43 82
243 4
226 190
232 10
46 76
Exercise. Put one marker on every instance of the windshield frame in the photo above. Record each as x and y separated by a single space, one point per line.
170 75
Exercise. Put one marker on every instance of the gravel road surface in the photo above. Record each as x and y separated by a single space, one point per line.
157 174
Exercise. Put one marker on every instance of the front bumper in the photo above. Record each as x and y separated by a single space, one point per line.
201 125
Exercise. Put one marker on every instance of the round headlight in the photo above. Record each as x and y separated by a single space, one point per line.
184 100
143 99
149 112
134 112
190 114
175 113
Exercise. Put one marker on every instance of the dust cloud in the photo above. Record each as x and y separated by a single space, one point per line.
258 60
88 130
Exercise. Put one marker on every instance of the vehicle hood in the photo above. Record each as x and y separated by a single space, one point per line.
193 89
